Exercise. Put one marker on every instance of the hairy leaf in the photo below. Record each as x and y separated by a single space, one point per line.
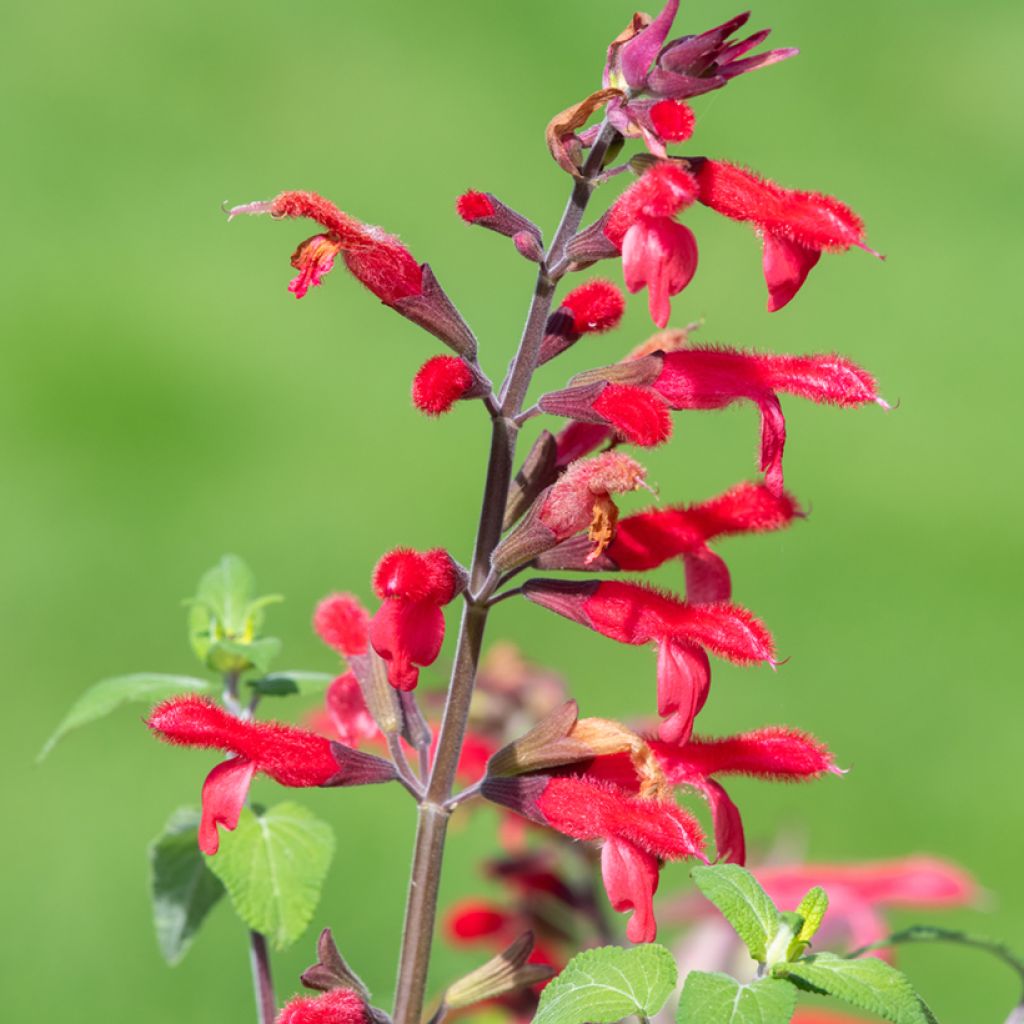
869 984
607 984
719 999
273 866
106 696
744 904
183 888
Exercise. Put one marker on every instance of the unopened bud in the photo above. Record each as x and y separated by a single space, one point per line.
504 973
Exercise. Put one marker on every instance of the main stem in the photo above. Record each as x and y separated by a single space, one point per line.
266 1003
432 825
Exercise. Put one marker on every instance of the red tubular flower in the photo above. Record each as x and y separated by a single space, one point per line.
408 630
595 307
378 260
712 378
338 1006
635 614
636 833
796 227
774 753
648 539
348 712
439 383
343 623
290 756
637 414
656 251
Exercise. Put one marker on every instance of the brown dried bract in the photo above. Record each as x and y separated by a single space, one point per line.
562 127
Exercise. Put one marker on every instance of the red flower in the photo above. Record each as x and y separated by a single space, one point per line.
712 378
647 539
290 756
595 307
774 753
408 630
672 120
635 614
858 893
338 1006
473 206
378 260
796 227
439 383
343 623
656 251
636 833
347 710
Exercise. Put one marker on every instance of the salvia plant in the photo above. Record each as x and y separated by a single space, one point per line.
589 807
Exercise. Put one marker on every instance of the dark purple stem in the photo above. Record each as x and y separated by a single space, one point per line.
266 1004
421 906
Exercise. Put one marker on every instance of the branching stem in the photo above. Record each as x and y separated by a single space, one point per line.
421 905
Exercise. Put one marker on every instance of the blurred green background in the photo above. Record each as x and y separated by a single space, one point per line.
164 400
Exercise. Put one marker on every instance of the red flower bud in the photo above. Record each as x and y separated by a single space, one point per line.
348 712
672 120
637 413
472 206
343 623
595 307
439 383
339 1006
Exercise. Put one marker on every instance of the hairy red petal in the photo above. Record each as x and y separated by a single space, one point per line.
774 752
471 206
416 576
638 413
339 1006
407 634
630 878
439 383
662 192
730 841
224 794
672 120
684 679
342 623
568 507
661 255
595 307
289 755
786 265
813 220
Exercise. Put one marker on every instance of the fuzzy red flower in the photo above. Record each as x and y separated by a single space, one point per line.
343 623
656 251
636 833
712 378
595 307
338 1006
347 710
672 120
439 383
472 206
774 753
635 614
637 414
796 227
408 630
290 756
378 260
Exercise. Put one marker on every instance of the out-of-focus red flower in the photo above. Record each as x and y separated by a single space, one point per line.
343 623
378 260
712 378
657 252
290 756
339 1006
859 893
408 629
774 753
348 712
796 227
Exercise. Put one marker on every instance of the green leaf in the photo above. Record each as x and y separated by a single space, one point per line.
719 999
744 904
869 984
226 590
183 888
273 866
607 984
106 696
811 913
283 684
